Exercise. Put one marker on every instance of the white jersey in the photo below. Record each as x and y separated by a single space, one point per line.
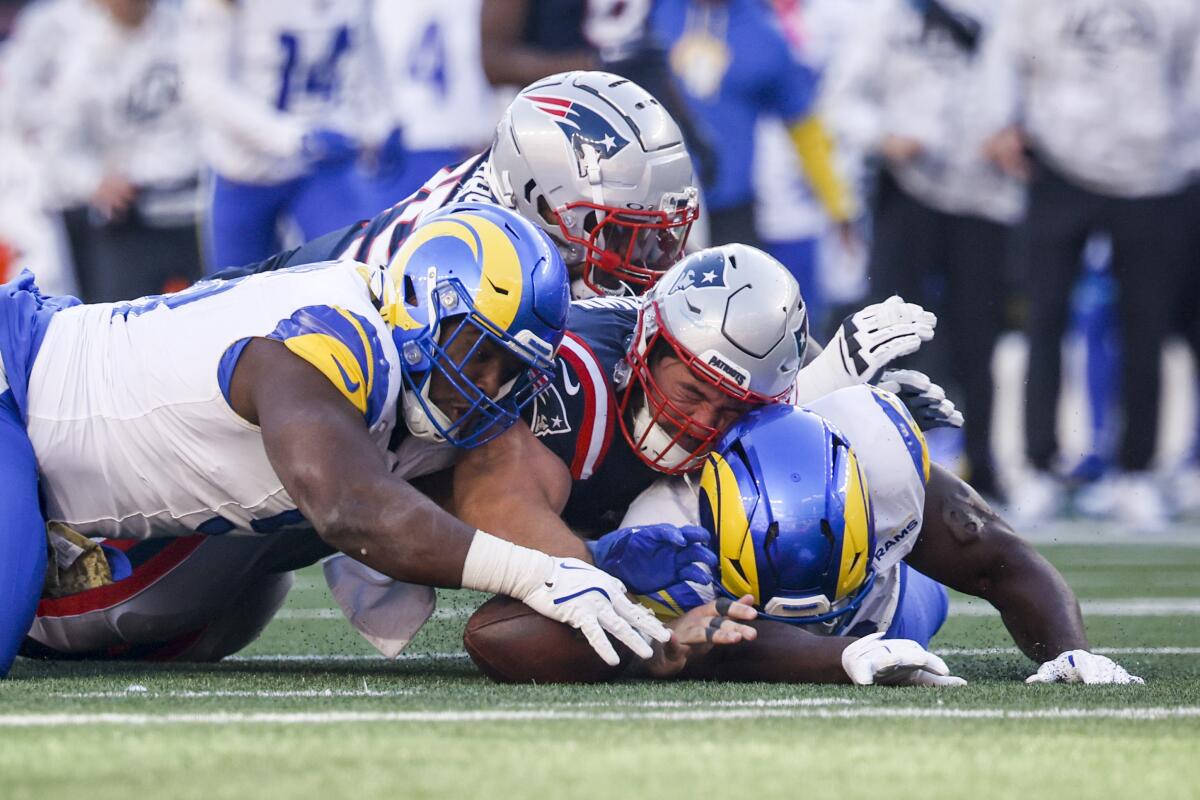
901 76
1100 88
133 122
262 73
433 71
31 84
892 453
128 410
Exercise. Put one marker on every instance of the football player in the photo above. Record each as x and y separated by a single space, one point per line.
289 95
848 541
270 402
646 386
589 157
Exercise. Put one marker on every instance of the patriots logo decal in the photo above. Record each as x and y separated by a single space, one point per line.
706 271
581 125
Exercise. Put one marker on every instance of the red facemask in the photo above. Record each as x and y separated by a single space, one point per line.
662 434
622 246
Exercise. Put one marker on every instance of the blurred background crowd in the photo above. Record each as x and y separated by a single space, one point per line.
1029 170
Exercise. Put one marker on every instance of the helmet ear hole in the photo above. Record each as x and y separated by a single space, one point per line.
410 291
545 211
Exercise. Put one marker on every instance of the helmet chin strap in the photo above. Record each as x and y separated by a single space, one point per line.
420 418
656 443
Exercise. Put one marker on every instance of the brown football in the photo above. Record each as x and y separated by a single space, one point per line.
512 643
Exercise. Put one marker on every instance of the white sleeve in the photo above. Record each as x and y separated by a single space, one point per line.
207 59
851 98
668 500
1001 89
894 458
73 145
373 101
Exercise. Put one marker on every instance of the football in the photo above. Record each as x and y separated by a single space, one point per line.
512 643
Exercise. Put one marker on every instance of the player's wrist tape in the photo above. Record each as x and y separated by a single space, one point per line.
500 567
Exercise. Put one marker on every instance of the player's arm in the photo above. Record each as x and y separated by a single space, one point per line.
814 146
507 59
315 441
206 55
516 488
970 548
319 446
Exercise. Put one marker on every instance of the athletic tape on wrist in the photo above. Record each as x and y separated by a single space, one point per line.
494 565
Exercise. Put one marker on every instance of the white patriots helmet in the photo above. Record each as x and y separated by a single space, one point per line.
596 161
735 317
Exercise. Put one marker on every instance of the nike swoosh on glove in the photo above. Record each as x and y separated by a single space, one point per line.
923 398
648 558
594 602
867 341
895 662
1080 666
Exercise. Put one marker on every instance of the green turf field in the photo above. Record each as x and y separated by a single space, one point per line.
308 712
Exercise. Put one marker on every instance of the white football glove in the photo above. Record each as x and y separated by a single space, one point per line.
582 596
895 662
563 589
866 341
923 398
1080 666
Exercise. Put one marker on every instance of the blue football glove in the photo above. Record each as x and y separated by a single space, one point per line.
391 155
324 148
652 557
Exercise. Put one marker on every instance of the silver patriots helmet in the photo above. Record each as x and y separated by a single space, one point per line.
597 162
735 317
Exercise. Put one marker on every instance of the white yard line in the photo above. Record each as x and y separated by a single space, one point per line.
1108 651
139 692
534 715
303 657
268 658
1116 607
336 613
135 693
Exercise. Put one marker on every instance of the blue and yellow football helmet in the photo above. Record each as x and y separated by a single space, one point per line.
787 505
499 275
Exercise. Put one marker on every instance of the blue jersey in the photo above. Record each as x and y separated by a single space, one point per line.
733 63
577 416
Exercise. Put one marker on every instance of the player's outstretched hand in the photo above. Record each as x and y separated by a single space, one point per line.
325 147
867 341
895 662
593 601
648 558
923 398
718 622
1080 666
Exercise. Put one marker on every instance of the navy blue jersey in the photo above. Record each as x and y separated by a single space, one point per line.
577 416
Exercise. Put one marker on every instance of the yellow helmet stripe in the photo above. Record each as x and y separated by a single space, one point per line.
856 542
719 487
499 295
501 283
662 604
